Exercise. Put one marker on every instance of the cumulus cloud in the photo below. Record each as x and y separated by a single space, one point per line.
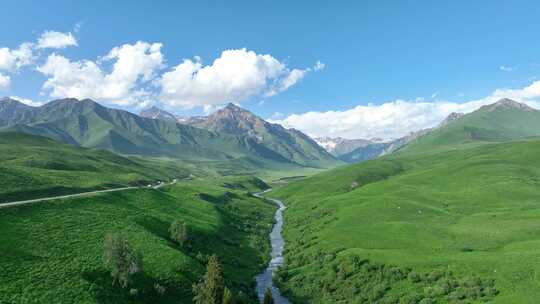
14 59
56 40
5 81
233 77
397 118
292 78
134 66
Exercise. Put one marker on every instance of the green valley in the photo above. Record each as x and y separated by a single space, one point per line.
277 152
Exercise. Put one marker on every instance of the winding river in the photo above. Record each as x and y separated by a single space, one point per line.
264 279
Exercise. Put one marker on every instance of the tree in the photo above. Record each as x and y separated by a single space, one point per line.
179 232
211 288
268 298
121 258
227 296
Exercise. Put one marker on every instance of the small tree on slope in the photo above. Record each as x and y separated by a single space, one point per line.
121 258
179 232
211 289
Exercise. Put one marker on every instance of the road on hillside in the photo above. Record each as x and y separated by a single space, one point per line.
43 199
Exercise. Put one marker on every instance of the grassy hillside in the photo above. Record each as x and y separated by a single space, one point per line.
502 121
52 252
34 166
458 226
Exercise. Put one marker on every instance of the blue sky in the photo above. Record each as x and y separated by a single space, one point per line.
374 53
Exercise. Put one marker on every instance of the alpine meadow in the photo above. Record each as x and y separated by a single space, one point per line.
238 152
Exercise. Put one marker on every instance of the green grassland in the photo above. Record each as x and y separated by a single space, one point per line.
456 225
52 252
33 167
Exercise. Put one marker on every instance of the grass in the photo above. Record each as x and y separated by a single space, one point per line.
33 167
460 225
52 252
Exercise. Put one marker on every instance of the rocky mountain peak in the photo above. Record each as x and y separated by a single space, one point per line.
507 103
156 113
232 109
450 118
232 112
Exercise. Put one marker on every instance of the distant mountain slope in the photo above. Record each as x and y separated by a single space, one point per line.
502 121
13 110
290 144
374 150
338 146
88 124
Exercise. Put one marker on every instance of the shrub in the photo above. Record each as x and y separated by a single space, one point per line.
434 275
227 296
412 298
160 290
414 277
426 301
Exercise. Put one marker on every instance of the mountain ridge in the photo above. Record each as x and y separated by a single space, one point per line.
502 121
89 124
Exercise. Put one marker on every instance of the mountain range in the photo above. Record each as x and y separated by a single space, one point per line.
226 135
500 121
233 133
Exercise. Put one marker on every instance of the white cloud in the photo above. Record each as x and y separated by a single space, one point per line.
14 59
276 116
56 40
505 68
233 77
5 82
293 77
319 66
77 26
397 118
27 101
134 66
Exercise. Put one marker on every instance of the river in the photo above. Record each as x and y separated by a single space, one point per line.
264 279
